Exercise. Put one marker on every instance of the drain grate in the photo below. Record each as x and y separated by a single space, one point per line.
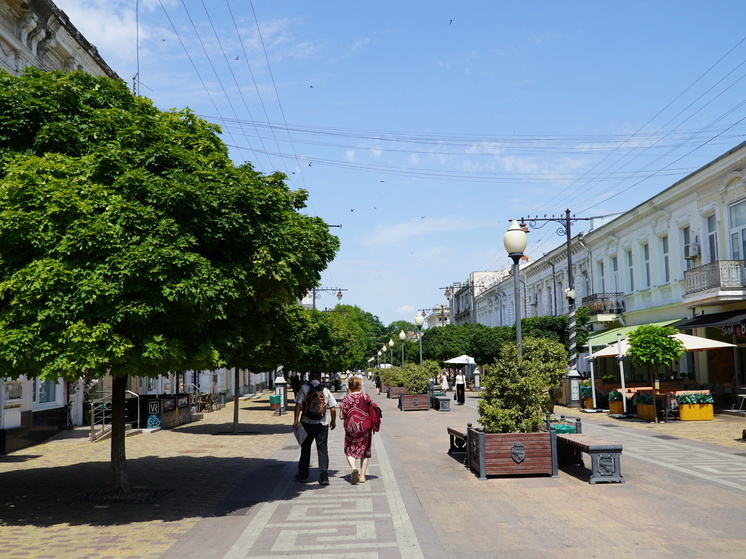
667 437
107 496
740 454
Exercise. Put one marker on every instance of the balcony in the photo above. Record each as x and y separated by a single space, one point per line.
604 307
715 283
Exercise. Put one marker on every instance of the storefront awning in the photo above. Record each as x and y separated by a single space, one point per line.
609 336
713 320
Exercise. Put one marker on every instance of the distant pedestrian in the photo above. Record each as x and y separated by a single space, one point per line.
378 383
316 410
444 382
295 383
354 410
460 388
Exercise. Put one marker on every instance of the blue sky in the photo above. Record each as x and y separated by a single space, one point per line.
423 127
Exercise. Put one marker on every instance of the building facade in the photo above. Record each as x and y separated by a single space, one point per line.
678 258
35 33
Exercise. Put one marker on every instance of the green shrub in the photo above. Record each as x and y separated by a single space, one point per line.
392 376
586 392
615 396
695 398
516 395
645 399
416 379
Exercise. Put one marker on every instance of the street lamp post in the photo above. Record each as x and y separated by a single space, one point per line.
391 349
379 359
402 337
419 320
384 348
515 243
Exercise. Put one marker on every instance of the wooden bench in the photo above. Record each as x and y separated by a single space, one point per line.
458 440
605 456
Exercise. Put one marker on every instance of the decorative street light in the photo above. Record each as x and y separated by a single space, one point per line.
402 337
419 320
391 349
384 348
379 359
515 243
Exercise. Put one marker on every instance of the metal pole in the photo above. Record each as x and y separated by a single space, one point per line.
620 359
402 355
571 287
419 335
517 296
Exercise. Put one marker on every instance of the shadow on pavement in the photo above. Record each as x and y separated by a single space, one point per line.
186 487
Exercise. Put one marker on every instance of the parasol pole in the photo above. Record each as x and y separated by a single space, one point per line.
593 380
620 360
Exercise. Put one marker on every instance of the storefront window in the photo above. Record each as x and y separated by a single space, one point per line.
44 391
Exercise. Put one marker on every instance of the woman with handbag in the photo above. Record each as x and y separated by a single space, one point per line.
353 410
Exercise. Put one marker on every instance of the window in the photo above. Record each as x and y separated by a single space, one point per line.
737 215
615 272
601 276
44 392
664 253
686 238
631 273
712 238
646 262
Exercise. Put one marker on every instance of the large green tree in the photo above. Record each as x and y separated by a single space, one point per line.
129 241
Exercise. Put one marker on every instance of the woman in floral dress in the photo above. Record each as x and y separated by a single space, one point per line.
353 410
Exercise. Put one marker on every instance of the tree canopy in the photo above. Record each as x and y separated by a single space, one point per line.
130 242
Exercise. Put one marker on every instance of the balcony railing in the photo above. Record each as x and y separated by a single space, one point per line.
722 274
605 303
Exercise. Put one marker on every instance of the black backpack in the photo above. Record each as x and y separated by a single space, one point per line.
314 404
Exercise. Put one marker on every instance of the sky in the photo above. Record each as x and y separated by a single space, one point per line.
422 127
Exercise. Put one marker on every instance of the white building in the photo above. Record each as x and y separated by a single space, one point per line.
37 33
679 255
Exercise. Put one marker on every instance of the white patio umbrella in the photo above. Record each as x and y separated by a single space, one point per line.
461 360
691 343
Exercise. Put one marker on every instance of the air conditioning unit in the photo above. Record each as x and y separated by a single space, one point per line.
533 299
691 251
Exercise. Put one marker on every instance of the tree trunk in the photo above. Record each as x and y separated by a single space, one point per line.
120 479
236 380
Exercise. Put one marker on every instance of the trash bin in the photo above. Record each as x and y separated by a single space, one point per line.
564 428
275 401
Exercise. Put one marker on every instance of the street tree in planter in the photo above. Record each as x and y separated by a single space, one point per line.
130 244
416 379
654 347
515 400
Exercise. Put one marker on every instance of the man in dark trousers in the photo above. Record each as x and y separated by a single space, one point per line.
316 410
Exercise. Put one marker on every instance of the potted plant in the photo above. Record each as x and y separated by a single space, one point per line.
515 400
645 404
654 347
392 380
695 406
416 381
616 406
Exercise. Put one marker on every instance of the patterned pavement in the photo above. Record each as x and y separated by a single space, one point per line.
219 495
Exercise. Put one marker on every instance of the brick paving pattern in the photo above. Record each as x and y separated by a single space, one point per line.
221 495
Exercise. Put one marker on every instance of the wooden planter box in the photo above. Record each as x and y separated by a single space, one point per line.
512 454
616 408
696 412
395 391
646 411
411 402
588 403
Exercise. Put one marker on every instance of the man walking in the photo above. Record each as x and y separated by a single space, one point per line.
316 409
